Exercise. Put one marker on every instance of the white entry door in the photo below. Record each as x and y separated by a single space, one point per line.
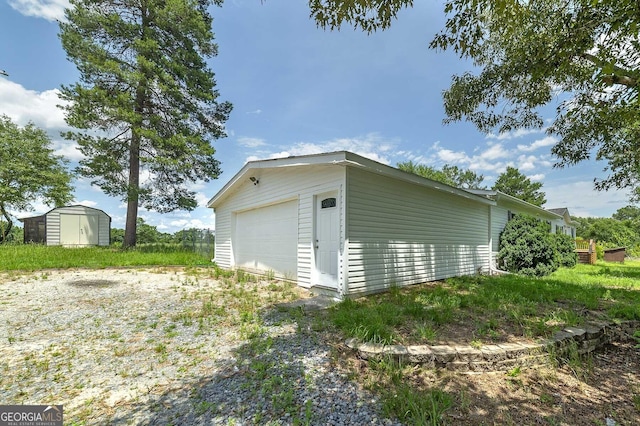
327 242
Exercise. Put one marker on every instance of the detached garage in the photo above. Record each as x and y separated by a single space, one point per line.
341 224
72 226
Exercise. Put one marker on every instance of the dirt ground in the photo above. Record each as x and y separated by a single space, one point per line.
602 388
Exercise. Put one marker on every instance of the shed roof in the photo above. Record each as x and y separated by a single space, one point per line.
339 158
62 207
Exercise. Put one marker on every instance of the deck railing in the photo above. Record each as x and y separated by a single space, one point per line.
586 251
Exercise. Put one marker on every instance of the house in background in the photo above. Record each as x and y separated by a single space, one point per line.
564 225
73 226
342 224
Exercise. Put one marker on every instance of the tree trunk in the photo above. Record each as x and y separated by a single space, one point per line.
133 196
4 233
133 190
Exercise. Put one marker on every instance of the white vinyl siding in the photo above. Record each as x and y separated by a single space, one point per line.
400 233
275 186
100 223
499 218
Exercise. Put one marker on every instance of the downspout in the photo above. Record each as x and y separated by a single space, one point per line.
496 271
343 284
490 239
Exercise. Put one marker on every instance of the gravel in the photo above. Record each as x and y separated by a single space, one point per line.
130 347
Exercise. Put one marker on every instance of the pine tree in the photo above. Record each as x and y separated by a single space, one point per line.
146 103
514 183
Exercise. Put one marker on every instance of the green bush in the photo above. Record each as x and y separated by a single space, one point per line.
527 247
564 247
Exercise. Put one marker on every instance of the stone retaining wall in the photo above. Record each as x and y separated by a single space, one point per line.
504 356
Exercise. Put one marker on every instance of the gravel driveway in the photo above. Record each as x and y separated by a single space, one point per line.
166 347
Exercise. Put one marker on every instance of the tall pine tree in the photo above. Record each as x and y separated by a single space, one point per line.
146 103
514 183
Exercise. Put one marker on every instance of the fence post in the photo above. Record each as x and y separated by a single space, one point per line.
592 252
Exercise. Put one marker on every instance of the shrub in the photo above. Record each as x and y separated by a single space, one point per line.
527 247
564 247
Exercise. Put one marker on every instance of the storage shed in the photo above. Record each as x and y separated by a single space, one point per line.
73 226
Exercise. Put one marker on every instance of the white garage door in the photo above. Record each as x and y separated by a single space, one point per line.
266 239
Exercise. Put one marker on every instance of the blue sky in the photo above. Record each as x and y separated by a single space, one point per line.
298 89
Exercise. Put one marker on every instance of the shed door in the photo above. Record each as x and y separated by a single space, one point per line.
266 239
89 228
327 240
78 229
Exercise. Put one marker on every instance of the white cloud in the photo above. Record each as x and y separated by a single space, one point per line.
514 135
38 207
540 143
449 156
50 10
254 158
23 105
257 112
537 177
492 157
372 146
87 203
192 223
181 214
202 199
67 149
251 142
494 152
118 221
486 159
527 162
584 201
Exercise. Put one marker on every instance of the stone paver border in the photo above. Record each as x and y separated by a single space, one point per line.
504 356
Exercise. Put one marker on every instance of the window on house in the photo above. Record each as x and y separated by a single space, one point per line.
328 203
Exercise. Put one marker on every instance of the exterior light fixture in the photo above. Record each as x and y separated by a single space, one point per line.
254 180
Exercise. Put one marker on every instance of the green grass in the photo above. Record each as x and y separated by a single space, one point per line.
401 398
32 257
493 307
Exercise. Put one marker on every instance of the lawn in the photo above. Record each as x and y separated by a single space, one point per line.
597 388
33 257
489 309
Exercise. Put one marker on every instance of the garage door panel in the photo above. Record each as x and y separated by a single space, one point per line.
267 239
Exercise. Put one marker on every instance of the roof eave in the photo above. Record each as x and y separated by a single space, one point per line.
347 159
